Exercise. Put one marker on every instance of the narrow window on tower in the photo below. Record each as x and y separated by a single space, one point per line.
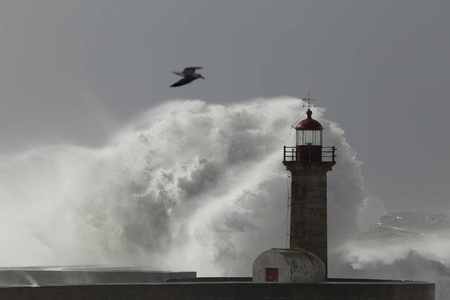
299 191
299 230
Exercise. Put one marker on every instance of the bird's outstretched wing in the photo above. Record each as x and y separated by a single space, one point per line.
178 73
190 70
183 81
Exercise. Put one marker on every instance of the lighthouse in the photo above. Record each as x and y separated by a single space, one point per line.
307 256
309 161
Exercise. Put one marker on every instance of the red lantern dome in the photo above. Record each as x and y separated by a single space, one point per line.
309 131
309 123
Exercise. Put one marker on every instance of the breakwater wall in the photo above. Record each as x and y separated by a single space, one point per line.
335 289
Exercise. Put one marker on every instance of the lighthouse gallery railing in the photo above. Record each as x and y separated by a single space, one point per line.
292 154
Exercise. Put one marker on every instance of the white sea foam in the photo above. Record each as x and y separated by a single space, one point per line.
189 186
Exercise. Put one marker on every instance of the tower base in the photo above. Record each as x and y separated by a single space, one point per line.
288 265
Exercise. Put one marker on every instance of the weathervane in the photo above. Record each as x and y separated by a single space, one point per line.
309 101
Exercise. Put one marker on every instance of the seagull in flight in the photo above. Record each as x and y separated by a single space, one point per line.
188 75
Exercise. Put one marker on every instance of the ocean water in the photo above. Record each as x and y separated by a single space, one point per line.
192 186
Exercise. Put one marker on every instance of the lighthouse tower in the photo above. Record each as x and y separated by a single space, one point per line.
306 259
308 161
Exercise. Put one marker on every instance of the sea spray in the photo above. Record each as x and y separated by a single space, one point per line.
185 186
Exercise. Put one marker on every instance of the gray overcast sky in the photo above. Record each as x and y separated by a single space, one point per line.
76 71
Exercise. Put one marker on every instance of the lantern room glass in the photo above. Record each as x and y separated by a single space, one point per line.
309 137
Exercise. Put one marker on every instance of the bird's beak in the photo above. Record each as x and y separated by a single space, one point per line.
203 77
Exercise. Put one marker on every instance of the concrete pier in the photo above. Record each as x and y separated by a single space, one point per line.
333 289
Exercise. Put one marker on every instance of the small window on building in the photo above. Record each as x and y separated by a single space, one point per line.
299 191
272 274
299 230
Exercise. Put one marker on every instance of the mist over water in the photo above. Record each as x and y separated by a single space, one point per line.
191 186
